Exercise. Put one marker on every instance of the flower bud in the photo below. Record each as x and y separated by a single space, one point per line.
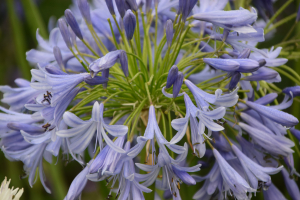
129 24
121 7
124 62
169 32
58 57
73 23
247 65
105 74
148 5
110 6
95 80
132 4
185 7
227 65
85 10
294 90
234 80
64 32
177 84
172 76
54 70
262 62
245 53
72 36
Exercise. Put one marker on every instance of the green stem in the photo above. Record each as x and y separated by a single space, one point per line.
281 22
113 34
278 13
18 38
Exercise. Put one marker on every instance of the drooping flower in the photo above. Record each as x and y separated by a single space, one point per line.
290 185
16 98
153 132
78 184
274 144
254 171
173 174
237 20
105 62
82 132
213 183
197 128
275 115
232 180
273 193
218 99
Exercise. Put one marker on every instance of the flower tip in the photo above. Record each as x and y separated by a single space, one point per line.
92 74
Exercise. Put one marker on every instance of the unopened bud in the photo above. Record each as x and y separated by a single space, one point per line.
64 32
148 5
84 8
177 84
234 80
169 32
262 62
73 23
129 24
124 62
245 53
58 57
121 7
110 6
132 4
105 74
172 76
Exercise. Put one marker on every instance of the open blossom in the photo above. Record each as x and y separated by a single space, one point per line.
232 180
82 132
173 173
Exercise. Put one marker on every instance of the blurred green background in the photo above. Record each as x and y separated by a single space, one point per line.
19 20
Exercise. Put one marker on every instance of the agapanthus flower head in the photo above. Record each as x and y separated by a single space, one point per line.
117 76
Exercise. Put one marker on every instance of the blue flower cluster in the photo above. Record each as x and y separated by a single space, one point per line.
117 77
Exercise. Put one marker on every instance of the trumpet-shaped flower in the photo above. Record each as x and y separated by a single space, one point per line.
275 115
173 173
218 99
82 132
291 185
237 20
274 144
78 184
254 171
273 193
16 98
232 180
197 128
